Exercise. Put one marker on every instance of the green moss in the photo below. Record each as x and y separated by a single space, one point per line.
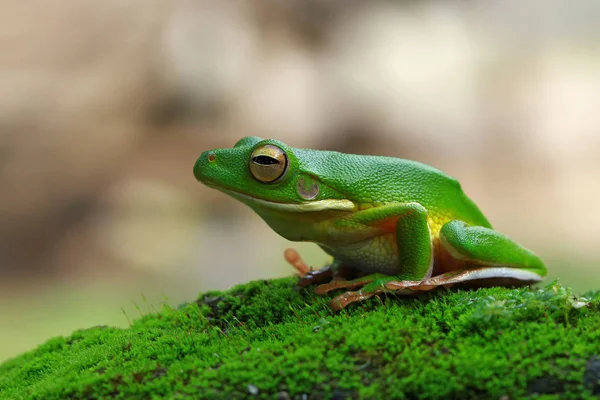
269 339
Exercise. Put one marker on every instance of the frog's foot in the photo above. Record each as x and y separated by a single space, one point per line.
377 283
307 275
336 270
340 283
371 285
341 301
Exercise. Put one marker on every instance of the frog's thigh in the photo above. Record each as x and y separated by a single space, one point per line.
497 256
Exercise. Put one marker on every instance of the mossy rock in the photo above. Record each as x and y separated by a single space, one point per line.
269 339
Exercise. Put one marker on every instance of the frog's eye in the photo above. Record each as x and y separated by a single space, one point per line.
268 163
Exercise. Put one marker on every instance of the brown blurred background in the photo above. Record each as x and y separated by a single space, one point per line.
105 105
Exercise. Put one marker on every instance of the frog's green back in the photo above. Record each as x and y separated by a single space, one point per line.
368 180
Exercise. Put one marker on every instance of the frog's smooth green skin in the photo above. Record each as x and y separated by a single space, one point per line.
404 226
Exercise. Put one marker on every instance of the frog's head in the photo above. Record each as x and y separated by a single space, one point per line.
270 176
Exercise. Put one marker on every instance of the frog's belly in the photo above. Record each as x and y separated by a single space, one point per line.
376 254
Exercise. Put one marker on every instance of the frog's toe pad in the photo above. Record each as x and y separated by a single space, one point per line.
293 258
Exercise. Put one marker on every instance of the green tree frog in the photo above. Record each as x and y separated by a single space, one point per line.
391 225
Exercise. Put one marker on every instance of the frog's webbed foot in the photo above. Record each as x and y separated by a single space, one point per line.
341 301
335 271
338 283
371 285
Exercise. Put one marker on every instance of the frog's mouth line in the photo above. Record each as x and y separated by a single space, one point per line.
309 206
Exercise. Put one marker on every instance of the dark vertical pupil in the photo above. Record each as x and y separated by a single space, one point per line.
265 160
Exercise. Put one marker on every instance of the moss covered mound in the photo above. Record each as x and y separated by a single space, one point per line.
269 339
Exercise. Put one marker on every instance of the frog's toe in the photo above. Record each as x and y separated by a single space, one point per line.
341 283
409 287
341 301
371 286
315 277
336 270
338 284
295 260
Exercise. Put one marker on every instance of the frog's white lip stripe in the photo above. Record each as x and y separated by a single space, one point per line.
309 206
320 205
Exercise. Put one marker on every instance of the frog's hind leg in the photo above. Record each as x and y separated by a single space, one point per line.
502 259
479 256
484 258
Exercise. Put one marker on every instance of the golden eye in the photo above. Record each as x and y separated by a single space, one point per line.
268 163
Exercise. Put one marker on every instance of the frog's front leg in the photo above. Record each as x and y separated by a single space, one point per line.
408 223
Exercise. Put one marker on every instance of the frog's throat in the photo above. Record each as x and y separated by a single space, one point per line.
309 206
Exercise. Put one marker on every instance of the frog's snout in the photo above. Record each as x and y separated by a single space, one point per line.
201 165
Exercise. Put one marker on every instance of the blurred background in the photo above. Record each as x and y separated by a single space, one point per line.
105 106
